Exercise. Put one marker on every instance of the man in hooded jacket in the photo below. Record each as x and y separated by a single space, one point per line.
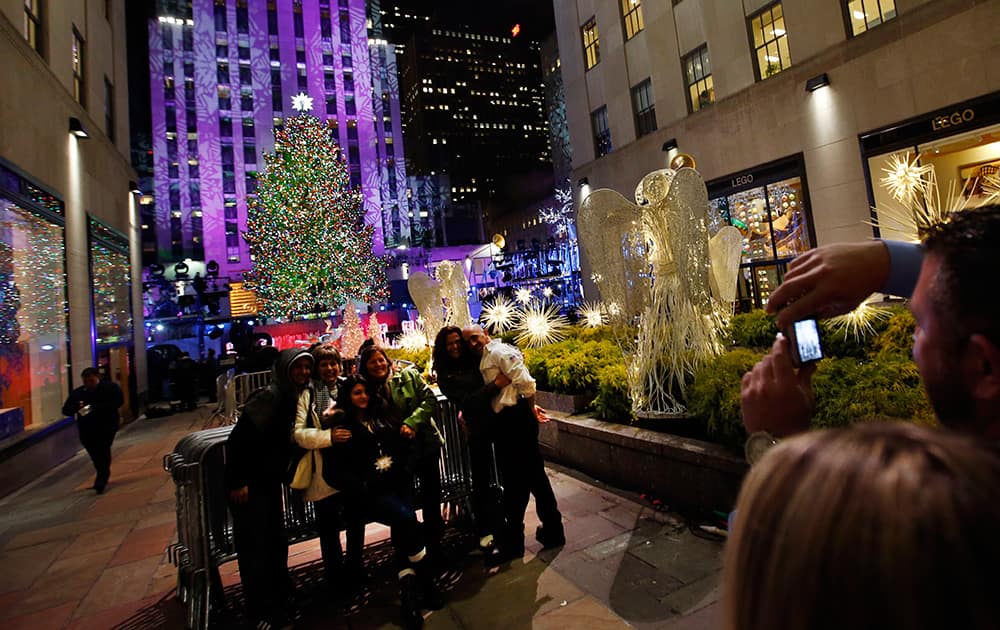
257 455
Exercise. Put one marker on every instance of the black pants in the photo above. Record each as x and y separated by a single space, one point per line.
262 548
429 472
97 442
332 515
487 507
523 472
396 511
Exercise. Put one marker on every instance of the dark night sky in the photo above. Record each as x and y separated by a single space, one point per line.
534 16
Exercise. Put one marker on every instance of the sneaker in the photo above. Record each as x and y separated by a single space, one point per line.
503 554
550 537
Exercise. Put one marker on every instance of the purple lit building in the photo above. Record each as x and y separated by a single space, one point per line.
222 77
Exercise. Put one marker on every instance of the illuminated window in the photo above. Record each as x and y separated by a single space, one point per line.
770 41
602 133
644 108
79 87
33 24
632 16
591 46
866 14
698 78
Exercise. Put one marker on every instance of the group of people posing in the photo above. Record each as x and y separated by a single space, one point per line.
355 445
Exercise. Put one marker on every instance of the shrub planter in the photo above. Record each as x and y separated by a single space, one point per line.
687 473
565 403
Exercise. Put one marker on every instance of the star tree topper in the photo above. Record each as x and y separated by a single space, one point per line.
302 102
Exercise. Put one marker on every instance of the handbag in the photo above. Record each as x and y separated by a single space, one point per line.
303 471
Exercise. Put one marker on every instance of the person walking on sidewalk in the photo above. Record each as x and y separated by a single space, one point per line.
95 406
522 468
257 454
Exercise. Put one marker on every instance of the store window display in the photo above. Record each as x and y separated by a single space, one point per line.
773 221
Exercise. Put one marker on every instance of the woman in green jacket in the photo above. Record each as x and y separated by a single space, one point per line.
405 394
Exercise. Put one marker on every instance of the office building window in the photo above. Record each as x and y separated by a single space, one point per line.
109 109
33 24
698 78
644 108
79 87
591 45
867 14
770 41
632 16
602 134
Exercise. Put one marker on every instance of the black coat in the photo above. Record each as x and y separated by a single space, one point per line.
351 466
260 446
104 401
463 385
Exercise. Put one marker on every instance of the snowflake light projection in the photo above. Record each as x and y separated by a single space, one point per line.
861 321
500 314
540 324
592 314
560 216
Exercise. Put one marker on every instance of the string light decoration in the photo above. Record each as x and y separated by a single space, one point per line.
414 339
308 240
38 274
500 314
560 216
860 323
352 337
539 325
592 315
112 316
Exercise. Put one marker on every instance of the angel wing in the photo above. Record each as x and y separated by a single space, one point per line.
426 294
724 250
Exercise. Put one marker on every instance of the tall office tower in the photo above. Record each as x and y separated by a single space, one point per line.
472 108
222 77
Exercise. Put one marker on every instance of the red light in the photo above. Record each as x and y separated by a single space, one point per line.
516 30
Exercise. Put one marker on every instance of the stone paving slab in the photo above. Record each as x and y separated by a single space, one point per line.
73 559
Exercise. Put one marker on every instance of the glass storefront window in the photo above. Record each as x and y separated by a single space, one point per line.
33 327
772 219
112 315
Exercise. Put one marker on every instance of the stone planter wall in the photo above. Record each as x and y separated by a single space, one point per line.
686 473
565 403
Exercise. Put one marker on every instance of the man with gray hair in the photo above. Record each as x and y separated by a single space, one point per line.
515 431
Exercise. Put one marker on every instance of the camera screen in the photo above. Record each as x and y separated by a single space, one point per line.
807 339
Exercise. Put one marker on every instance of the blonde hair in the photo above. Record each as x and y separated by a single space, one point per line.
878 526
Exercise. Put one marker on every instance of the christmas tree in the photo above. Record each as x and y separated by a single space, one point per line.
352 337
309 245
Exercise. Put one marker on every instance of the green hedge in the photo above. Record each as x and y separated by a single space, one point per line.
418 357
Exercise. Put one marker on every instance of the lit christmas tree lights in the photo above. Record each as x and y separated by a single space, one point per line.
308 241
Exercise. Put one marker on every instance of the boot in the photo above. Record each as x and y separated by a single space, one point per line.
550 536
429 592
408 603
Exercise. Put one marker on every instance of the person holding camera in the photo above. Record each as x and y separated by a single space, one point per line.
95 405
957 338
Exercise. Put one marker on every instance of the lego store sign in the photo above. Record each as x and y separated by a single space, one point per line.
954 119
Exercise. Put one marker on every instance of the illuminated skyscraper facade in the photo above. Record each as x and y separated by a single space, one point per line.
222 77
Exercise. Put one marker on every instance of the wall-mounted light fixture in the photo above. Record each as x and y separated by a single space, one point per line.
583 182
670 145
133 187
817 82
76 128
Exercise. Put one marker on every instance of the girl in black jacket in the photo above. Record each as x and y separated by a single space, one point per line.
374 471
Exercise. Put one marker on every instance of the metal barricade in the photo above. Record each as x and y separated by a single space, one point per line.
205 538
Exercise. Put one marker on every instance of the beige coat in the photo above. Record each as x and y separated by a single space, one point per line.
312 439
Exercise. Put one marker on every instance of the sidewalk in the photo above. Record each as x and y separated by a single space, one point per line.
73 559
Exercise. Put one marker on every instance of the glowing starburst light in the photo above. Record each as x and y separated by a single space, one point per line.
500 314
302 102
413 340
539 325
547 291
591 315
861 321
905 178
523 295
